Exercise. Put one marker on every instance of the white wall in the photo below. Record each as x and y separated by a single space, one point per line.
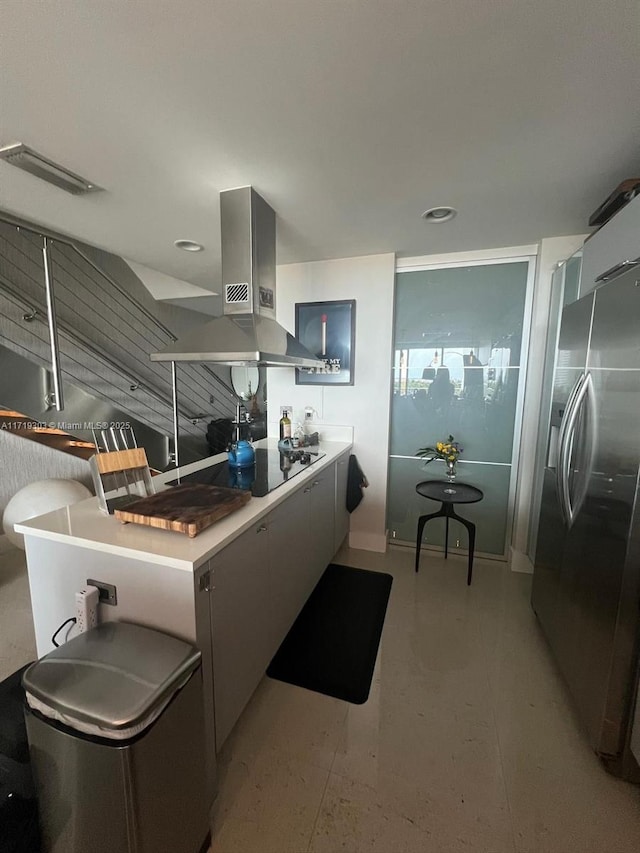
365 405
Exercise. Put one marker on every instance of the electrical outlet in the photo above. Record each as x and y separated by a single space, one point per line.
108 592
287 409
308 413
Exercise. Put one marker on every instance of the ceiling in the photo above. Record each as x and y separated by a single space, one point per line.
350 117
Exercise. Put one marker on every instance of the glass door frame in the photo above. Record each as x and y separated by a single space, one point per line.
517 254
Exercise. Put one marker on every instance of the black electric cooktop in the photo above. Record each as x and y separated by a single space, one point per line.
271 470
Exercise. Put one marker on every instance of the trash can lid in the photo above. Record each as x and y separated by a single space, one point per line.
112 676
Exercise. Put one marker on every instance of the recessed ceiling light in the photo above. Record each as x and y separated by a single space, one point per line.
188 246
441 213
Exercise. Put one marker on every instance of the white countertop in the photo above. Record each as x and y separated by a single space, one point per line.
83 523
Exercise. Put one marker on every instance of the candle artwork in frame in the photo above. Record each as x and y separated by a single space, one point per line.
327 329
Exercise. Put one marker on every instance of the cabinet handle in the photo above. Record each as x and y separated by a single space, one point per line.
205 582
262 529
617 270
317 482
307 490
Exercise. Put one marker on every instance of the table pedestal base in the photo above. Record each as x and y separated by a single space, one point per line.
447 511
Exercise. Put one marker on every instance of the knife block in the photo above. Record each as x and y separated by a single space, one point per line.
120 478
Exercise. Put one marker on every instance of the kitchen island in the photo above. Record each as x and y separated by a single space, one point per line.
234 590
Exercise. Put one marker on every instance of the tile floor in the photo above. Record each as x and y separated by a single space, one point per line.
467 741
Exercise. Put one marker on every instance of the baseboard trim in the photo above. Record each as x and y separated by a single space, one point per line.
519 562
368 541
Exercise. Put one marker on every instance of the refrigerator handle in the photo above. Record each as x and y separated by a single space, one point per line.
573 507
588 449
561 487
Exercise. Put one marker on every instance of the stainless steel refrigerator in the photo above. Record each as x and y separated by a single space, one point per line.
586 584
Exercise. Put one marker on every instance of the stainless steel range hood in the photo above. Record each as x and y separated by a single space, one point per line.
247 333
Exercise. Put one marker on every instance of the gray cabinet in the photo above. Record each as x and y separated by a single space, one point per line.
301 545
290 570
617 241
341 516
258 585
241 634
321 493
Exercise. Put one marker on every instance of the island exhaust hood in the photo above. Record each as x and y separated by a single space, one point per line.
247 333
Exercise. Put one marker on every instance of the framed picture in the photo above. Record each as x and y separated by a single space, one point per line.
327 329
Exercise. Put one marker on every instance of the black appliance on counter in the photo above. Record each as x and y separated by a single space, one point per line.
272 468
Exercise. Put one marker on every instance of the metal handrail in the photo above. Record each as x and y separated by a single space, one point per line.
176 424
220 381
53 328
51 235
79 339
16 222
158 323
147 313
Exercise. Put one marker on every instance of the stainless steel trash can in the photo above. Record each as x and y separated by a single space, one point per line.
116 735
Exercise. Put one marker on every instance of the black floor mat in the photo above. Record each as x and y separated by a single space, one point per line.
332 646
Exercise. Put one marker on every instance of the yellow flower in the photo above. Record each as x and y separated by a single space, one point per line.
439 446
452 458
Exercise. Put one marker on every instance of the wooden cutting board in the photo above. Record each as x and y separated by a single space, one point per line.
185 509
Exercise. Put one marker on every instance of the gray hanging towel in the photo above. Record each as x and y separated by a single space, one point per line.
356 482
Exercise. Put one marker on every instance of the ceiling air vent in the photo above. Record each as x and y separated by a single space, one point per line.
28 160
236 293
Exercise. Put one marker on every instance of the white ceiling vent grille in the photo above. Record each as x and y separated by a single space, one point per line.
31 161
236 294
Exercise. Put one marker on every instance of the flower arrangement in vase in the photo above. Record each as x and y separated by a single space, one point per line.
448 451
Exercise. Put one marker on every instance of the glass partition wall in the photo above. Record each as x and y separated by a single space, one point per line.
459 349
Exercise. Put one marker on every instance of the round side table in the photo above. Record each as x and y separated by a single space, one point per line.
448 494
